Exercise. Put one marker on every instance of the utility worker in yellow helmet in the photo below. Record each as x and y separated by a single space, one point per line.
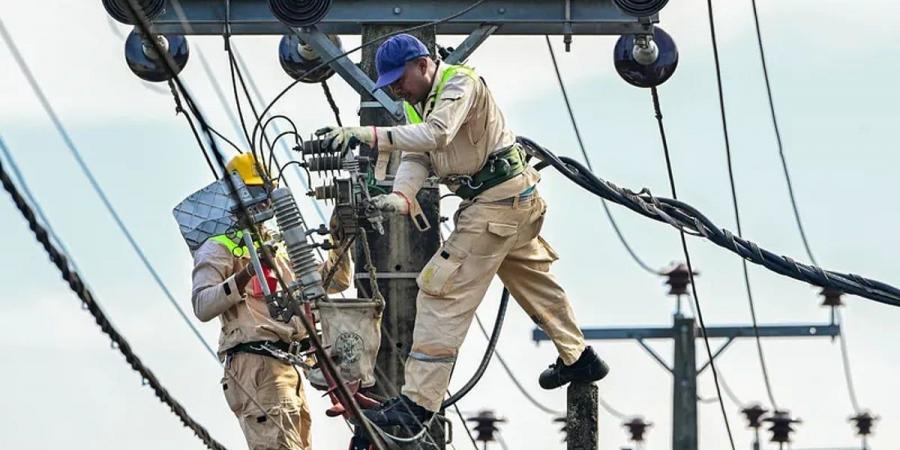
265 393
456 131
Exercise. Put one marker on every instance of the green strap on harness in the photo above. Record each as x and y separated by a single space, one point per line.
501 166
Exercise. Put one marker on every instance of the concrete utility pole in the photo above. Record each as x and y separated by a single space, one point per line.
581 416
402 251
684 332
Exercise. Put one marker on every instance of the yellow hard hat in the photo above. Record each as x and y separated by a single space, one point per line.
245 166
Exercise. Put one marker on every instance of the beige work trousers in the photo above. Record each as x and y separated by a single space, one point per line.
490 238
277 388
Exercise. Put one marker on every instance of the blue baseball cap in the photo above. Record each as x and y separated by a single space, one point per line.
392 56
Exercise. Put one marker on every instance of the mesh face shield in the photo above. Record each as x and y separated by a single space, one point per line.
212 211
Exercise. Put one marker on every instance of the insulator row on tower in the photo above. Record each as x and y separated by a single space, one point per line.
327 192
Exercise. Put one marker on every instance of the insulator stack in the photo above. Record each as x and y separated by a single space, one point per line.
754 415
147 64
299 249
315 147
299 13
782 426
327 192
640 8
678 279
637 427
486 425
119 9
324 163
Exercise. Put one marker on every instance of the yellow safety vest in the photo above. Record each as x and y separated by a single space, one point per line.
412 116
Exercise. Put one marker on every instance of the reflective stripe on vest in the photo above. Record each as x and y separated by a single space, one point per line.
413 116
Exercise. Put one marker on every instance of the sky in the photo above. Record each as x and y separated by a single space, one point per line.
830 63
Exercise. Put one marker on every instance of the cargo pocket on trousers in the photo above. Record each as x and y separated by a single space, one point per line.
497 239
233 395
435 277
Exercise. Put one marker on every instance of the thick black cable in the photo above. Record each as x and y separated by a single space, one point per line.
687 218
180 110
77 285
488 353
612 221
734 201
784 164
327 364
687 257
332 103
361 46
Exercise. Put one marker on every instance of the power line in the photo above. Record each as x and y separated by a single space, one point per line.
845 357
73 279
587 160
48 108
784 165
687 257
734 201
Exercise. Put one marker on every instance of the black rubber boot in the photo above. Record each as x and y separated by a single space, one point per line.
399 411
588 368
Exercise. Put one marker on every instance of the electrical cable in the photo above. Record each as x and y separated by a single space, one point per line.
515 379
687 257
180 110
687 218
332 103
488 353
845 360
784 164
76 153
612 221
100 192
286 151
361 46
23 186
327 364
734 201
73 279
845 357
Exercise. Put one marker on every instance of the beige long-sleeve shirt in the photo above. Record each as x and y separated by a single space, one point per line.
245 317
458 133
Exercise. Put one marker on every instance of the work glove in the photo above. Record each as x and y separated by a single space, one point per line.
345 137
391 203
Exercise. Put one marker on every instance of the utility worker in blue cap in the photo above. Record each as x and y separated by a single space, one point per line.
456 132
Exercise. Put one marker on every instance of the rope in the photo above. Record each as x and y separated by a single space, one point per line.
71 277
587 160
734 201
687 257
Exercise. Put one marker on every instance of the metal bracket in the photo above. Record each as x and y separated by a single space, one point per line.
352 74
716 355
468 46
654 355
